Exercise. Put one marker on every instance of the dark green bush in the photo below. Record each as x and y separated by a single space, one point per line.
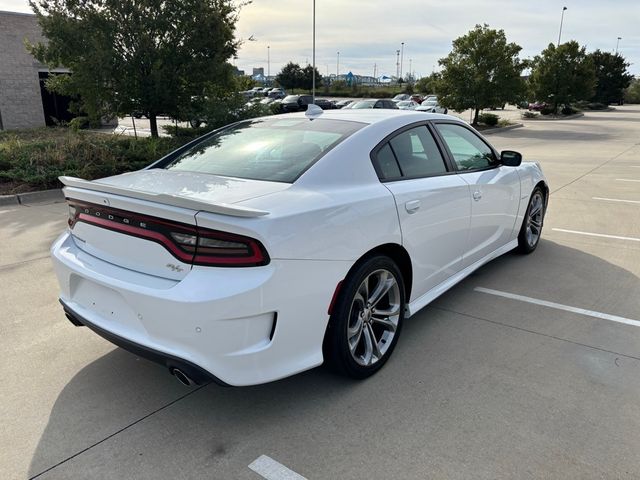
568 110
34 159
596 106
78 123
548 110
488 119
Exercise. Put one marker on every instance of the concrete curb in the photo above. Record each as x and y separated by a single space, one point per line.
489 131
42 196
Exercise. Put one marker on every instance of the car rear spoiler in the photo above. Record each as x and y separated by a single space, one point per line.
72 183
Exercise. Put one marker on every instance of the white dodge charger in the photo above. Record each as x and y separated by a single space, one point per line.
272 245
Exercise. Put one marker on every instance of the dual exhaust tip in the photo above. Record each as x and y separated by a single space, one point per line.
182 377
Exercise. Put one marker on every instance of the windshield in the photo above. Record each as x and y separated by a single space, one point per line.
277 150
363 104
291 98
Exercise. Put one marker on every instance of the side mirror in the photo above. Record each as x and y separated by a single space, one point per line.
509 158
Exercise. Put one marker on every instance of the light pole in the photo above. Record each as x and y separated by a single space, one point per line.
397 65
313 72
618 44
338 66
410 71
401 57
268 63
561 20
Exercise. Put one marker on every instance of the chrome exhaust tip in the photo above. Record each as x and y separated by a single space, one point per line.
182 377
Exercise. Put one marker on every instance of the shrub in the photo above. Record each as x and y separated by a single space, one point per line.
528 114
79 123
275 108
596 106
488 119
568 110
547 110
34 159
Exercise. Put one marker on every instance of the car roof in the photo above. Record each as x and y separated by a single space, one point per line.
371 116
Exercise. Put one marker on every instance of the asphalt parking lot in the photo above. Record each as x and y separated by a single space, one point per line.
530 368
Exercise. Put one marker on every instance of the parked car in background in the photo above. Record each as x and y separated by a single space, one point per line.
431 106
407 105
277 93
373 103
324 104
537 106
255 91
343 103
416 97
270 246
401 96
296 103
429 97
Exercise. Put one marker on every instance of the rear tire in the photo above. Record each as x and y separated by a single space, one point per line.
367 319
531 229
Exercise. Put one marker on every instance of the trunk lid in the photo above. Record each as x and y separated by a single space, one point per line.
133 220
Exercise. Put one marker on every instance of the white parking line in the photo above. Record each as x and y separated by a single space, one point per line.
589 234
627 180
615 200
268 468
559 306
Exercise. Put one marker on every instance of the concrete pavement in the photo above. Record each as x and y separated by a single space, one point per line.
480 386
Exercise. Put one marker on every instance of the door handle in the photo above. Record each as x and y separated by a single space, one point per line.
412 206
477 195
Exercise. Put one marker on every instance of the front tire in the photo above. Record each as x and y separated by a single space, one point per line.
366 320
531 229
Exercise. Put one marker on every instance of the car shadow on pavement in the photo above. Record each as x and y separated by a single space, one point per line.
200 426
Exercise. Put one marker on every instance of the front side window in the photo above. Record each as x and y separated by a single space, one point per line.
273 149
417 153
468 150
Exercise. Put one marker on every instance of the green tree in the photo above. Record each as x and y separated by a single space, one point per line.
244 82
306 81
612 76
481 71
290 76
427 84
561 75
632 93
151 56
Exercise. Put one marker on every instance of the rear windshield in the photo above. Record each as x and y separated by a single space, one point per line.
274 149
364 104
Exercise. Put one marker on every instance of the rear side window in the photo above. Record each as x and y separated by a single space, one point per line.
387 165
265 149
417 153
468 150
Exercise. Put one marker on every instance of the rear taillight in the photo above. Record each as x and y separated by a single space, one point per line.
188 243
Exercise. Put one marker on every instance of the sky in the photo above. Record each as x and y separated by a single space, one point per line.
367 33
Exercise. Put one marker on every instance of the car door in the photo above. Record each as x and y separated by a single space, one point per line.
494 190
432 202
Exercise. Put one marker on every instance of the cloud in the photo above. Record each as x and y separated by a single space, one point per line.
368 32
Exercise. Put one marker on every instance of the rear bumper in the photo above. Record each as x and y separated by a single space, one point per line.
197 374
236 326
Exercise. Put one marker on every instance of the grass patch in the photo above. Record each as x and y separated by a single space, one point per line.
34 159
